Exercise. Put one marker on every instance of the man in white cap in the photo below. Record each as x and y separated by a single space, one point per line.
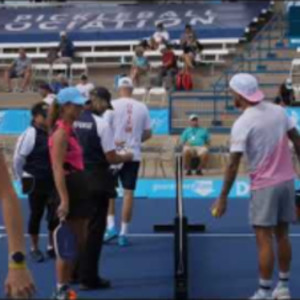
132 127
66 49
195 141
262 133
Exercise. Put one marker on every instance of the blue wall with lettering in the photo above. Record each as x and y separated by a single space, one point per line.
126 22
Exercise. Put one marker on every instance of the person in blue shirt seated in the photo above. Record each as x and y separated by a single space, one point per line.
140 66
60 82
66 49
195 141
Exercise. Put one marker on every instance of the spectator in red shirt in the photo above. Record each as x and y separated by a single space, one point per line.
169 64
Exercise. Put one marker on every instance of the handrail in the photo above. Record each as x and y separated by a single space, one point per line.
222 83
250 46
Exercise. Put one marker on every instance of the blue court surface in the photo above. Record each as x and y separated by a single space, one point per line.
222 261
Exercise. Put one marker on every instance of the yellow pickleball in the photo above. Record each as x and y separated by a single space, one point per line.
214 212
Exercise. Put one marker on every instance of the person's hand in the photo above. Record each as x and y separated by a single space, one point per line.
219 207
128 156
19 284
120 144
63 210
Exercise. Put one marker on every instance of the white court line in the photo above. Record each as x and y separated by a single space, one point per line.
170 235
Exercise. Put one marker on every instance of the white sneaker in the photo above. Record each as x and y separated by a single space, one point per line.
260 295
281 293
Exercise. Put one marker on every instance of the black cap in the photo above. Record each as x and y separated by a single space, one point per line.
40 108
103 93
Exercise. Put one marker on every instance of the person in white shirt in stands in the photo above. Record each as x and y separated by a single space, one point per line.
85 87
132 127
160 36
47 93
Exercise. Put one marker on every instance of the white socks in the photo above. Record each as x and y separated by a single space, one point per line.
265 286
283 279
124 228
110 222
111 225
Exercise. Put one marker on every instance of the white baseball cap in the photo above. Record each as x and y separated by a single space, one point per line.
289 84
125 82
246 85
193 117
63 33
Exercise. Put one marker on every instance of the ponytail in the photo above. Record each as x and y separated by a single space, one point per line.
53 115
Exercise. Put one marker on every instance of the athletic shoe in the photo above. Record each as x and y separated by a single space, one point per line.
199 173
281 293
188 173
110 235
37 256
100 284
51 252
123 241
260 294
65 293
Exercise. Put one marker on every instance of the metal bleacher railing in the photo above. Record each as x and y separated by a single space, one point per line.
255 54
214 105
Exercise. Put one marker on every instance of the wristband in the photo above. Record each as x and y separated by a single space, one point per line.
15 266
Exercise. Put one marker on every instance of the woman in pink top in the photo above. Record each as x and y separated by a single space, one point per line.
67 164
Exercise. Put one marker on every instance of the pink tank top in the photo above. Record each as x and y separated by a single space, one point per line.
74 155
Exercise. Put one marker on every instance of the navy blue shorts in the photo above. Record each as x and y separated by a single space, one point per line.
128 175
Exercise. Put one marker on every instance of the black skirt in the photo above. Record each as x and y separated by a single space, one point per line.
79 200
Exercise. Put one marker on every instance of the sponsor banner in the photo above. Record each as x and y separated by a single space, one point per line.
294 114
206 188
159 121
127 22
14 122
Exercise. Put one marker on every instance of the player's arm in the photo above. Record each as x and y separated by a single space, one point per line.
295 139
59 152
106 133
231 173
24 147
19 283
219 207
147 133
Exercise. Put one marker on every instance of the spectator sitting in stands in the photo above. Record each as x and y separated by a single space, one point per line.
161 36
195 141
169 64
140 65
60 82
190 46
85 87
65 49
20 68
47 93
286 96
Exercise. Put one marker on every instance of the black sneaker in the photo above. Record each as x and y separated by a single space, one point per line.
188 173
199 172
37 256
51 253
99 285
